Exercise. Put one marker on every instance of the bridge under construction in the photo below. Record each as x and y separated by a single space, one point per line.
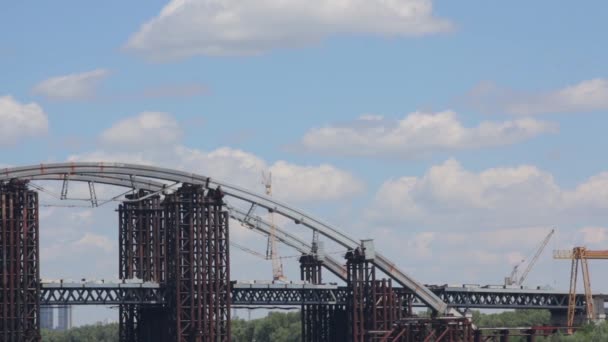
174 268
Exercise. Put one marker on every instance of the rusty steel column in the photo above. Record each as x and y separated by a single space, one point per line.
19 263
360 276
373 305
448 329
198 265
142 255
338 320
386 307
316 323
142 238
127 326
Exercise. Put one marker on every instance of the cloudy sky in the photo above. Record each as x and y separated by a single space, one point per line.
454 133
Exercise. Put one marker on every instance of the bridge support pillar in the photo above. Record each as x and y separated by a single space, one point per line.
142 255
198 265
419 329
320 322
373 305
152 327
360 276
127 323
314 317
559 318
19 263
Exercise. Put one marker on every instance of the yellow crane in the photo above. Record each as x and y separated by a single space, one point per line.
271 248
580 255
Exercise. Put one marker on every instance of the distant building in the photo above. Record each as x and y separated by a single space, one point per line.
46 317
64 321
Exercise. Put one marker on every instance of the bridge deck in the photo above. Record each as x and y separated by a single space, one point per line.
248 295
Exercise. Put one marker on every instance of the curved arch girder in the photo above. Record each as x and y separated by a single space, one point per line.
329 231
253 222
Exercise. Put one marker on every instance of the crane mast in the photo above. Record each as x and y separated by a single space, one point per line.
271 247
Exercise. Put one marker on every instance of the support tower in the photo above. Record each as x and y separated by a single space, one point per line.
19 263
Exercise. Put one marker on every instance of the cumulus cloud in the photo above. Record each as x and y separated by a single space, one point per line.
20 120
97 250
187 28
585 96
592 194
301 183
78 86
594 235
450 196
479 255
418 133
291 182
148 129
91 240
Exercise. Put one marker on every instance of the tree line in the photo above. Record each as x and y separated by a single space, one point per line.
285 327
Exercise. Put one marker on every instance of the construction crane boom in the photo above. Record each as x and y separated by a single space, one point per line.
535 258
513 279
271 249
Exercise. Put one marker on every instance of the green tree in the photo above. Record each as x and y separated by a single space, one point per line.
89 333
276 327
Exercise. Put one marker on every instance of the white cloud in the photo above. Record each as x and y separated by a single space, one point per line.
420 244
291 182
451 197
79 86
300 183
148 129
594 235
418 133
187 28
593 193
479 255
86 246
484 257
91 240
82 217
18 121
585 96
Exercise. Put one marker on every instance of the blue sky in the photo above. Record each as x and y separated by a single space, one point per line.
507 141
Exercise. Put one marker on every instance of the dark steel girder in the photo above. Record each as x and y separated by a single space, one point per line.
277 295
102 295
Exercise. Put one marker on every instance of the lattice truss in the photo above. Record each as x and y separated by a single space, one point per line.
19 263
200 268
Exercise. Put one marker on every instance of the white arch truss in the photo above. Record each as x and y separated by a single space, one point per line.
126 174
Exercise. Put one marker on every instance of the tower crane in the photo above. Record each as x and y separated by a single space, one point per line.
513 279
271 247
580 255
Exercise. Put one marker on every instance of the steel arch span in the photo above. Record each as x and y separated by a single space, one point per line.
151 178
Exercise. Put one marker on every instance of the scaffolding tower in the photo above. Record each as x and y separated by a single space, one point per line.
19 263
